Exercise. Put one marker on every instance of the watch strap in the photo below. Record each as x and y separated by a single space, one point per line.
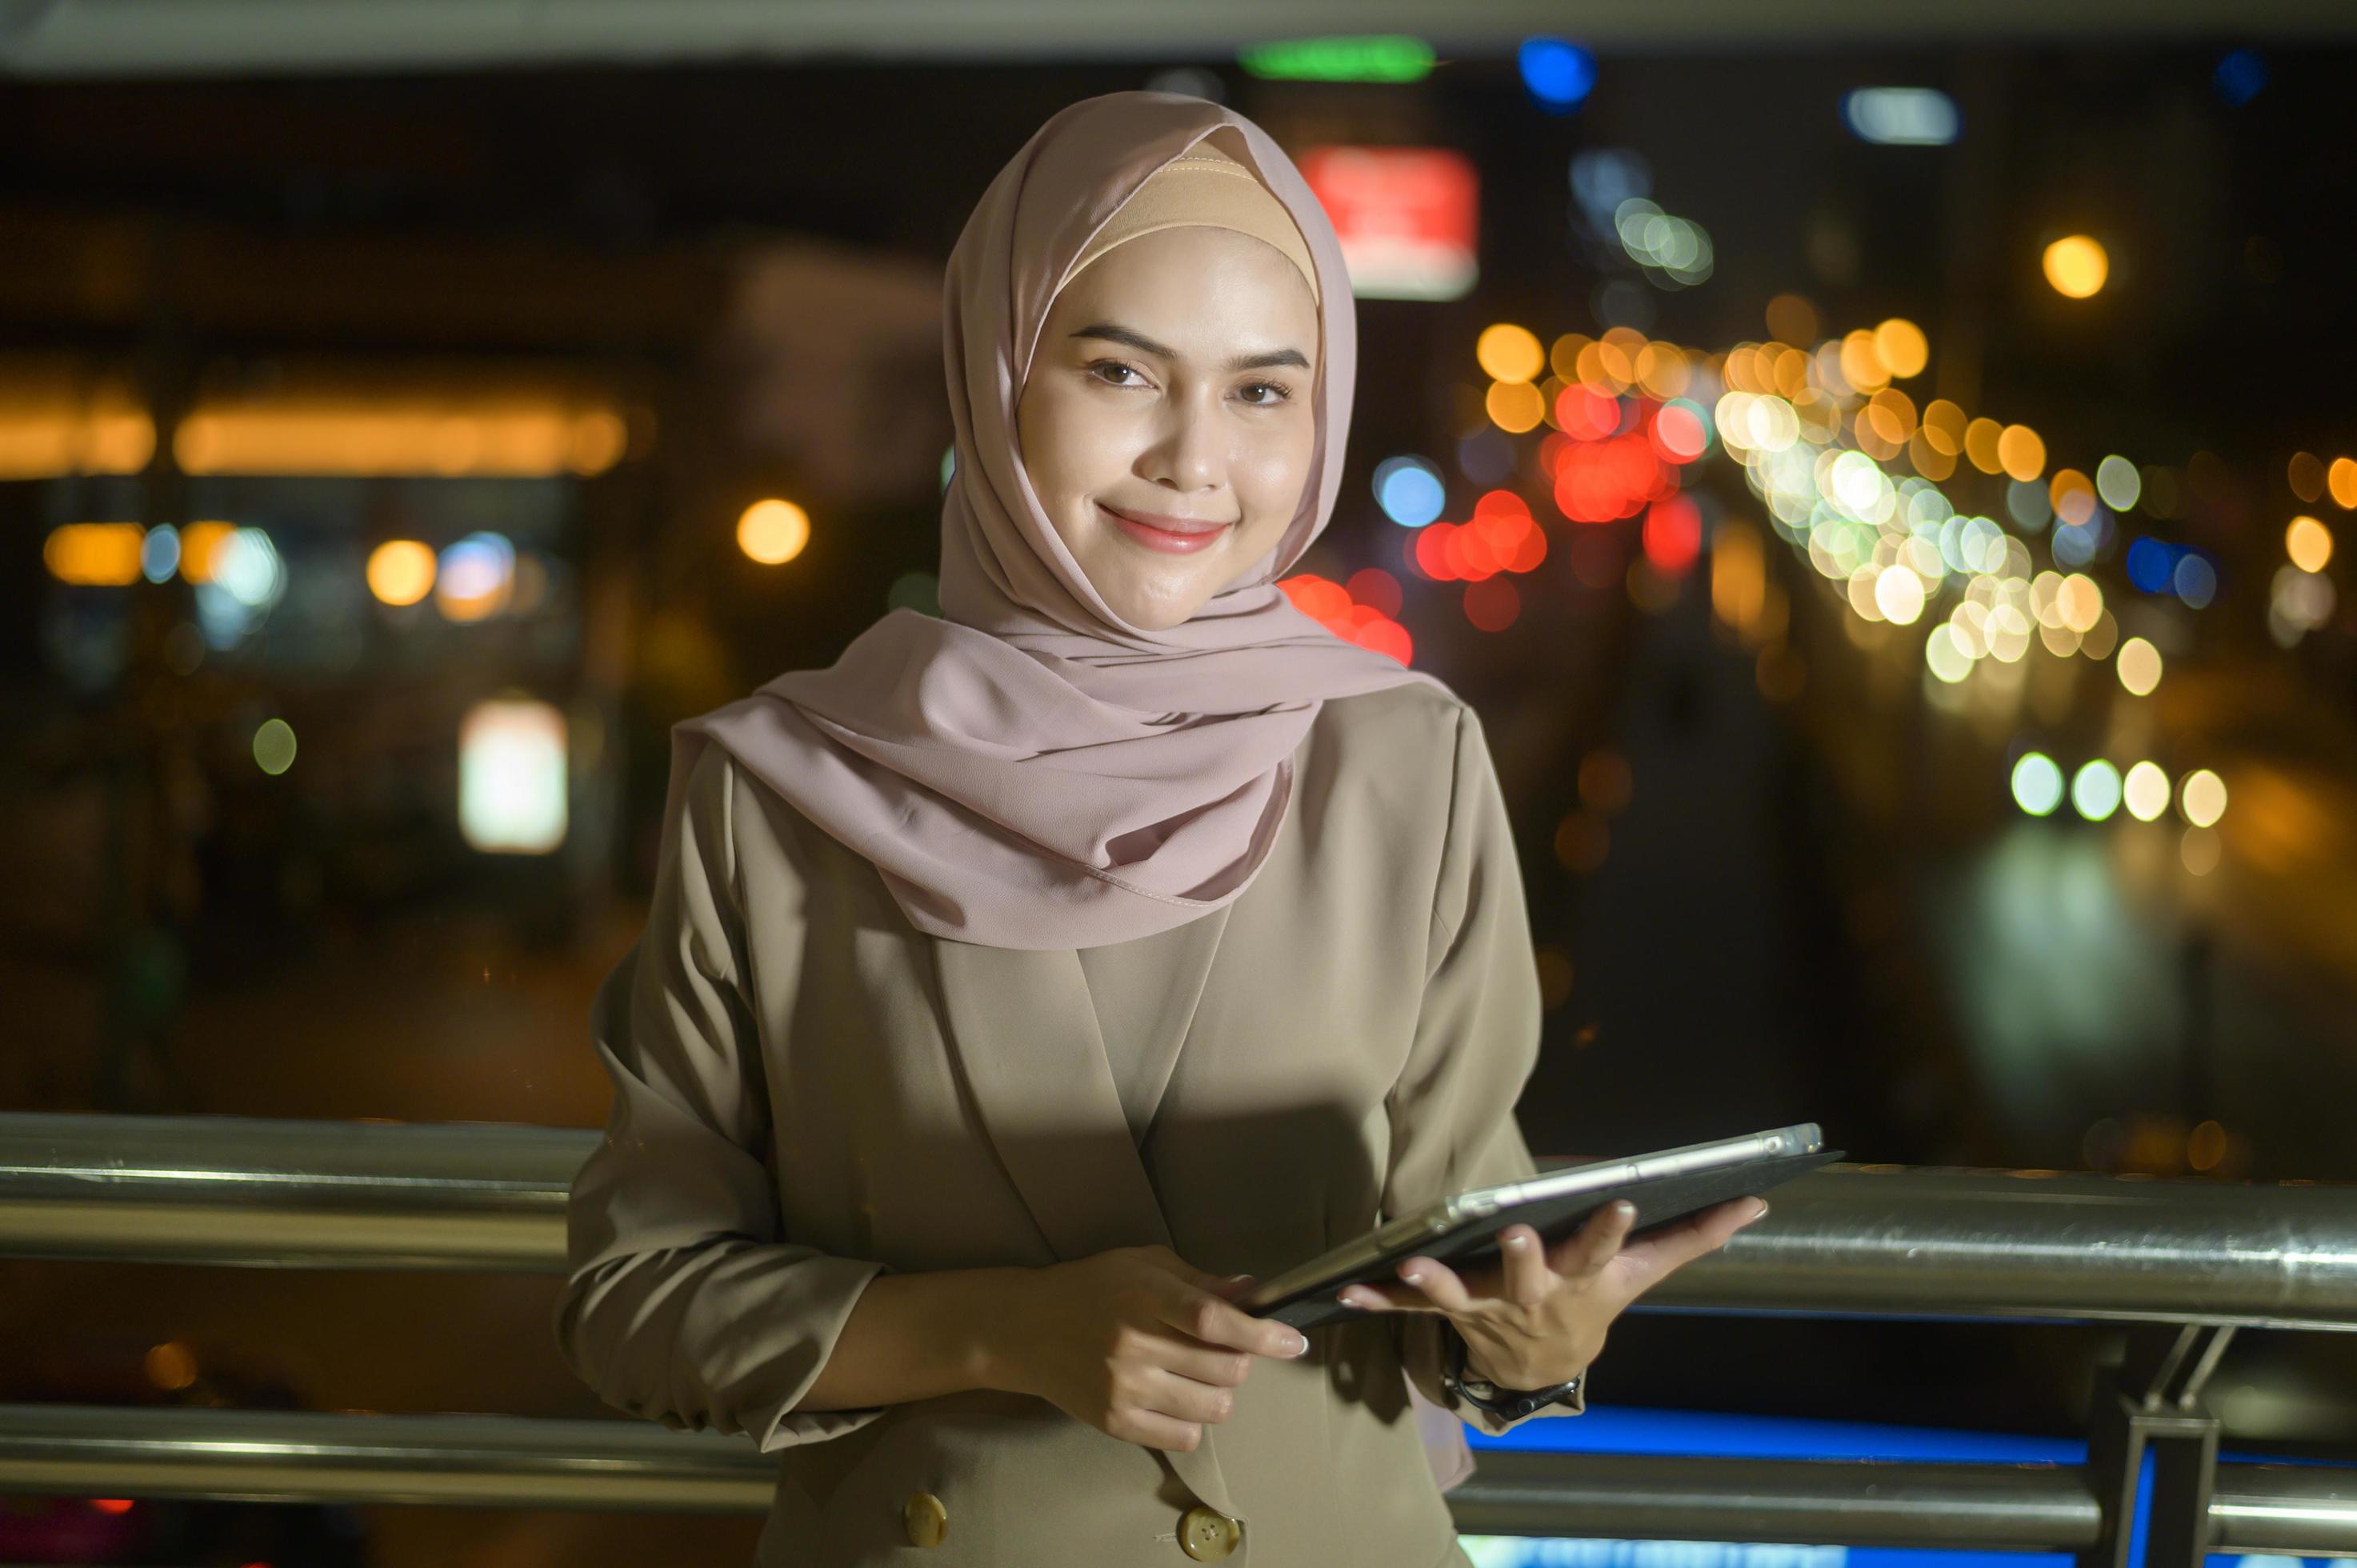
1508 1404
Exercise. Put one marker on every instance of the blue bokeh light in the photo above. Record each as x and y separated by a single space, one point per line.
1558 72
1410 491
2238 76
2152 564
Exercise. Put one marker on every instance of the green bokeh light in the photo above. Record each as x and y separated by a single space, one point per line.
274 746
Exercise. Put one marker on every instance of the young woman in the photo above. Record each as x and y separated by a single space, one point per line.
1018 983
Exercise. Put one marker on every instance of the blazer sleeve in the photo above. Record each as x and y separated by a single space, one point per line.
1476 1043
682 1301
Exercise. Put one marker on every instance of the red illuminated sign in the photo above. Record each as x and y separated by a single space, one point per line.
1405 216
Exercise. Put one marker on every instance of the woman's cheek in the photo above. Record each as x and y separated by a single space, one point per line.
1269 483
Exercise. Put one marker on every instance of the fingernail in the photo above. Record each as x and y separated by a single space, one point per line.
1413 1276
1293 1344
1238 1279
1518 1242
1624 1209
1759 1211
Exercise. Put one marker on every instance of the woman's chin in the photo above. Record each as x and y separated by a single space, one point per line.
1158 612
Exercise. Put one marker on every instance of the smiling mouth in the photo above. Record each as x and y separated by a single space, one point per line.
1184 537
1186 528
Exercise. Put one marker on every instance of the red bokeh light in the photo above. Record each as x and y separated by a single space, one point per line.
1492 605
1373 586
1584 414
1599 481
1316 596
1368 625
1672 535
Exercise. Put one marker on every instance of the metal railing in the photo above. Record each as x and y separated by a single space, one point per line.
2182 1264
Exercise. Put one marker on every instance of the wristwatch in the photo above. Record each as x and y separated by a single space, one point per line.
1510 1404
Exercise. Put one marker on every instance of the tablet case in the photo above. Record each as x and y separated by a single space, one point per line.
1474 1242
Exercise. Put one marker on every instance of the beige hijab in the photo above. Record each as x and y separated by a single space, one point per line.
1027 769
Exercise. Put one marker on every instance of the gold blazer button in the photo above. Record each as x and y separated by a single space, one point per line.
924 1519
1206 1535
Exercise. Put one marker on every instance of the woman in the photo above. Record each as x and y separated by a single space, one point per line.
1013 983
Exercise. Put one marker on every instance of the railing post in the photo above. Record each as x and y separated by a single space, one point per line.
2153 1400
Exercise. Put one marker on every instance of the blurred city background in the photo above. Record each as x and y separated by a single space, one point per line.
1883 483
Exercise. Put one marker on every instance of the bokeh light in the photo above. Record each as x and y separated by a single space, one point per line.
1510 353
274 746
1902 348
94 555
2201 798
2145 791
1901 117
2140 666
475 577
1899 595
2117 481
1559 73
2308 543
2195 580
773 532
2299 603
2076 266
2340 483
512 777
2096 790
2021 452
2037 784
2241 73
1516 407
1410 490
201 544
159 553
401 571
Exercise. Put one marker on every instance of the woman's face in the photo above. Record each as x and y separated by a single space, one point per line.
1172 385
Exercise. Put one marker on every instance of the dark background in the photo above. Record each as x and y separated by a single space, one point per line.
1818 901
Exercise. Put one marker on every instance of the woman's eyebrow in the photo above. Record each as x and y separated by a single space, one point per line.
1144 345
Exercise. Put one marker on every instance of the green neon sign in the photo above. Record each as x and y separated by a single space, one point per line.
1383 57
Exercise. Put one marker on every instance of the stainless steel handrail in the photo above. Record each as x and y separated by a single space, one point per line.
1850 1241
2184 1264
494 1461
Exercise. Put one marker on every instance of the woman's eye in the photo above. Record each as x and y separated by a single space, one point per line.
1277 394
1106 368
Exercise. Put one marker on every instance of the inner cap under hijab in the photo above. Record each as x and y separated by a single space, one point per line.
1027 769
1202 186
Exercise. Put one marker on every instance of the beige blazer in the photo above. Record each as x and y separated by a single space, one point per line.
807 1091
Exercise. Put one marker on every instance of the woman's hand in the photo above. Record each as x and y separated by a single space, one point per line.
1538 1317
1139 1343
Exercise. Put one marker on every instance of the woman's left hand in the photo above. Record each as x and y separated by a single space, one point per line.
1538 1315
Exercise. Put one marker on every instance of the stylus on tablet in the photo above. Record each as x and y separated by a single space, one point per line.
1462 1229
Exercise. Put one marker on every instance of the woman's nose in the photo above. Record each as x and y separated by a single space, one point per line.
1188 455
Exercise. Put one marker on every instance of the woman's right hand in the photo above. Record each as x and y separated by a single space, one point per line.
1139 1343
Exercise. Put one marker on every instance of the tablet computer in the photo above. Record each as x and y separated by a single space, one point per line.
1462 1231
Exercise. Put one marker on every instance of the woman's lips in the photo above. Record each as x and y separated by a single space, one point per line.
1164 539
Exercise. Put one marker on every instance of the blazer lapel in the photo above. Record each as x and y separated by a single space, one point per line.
1027 1038
1200 952
1025 1035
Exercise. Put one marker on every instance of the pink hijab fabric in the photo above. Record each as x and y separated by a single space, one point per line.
1027 769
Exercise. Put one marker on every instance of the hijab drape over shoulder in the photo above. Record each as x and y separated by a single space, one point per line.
1027 769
